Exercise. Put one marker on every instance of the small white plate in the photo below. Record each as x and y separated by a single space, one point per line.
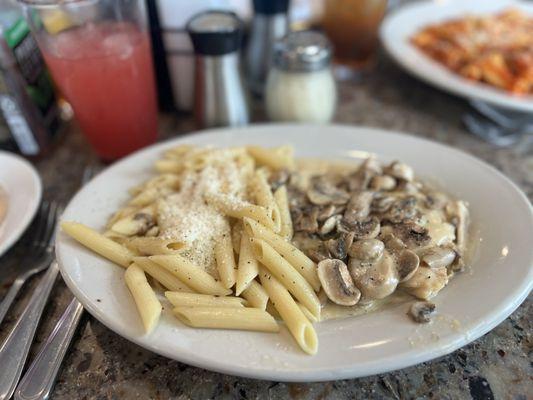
22 185
472 304
400 26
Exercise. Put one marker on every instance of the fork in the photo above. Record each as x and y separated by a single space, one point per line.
15 349
41 243
40 377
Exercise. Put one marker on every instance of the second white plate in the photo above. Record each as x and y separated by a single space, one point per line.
473 303
400 26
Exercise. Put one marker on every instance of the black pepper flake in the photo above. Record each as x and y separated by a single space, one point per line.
501 353
99 300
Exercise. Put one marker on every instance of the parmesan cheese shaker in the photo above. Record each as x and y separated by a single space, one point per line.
219 97
300 85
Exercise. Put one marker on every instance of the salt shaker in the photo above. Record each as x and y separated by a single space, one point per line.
219 97
300 85
270 23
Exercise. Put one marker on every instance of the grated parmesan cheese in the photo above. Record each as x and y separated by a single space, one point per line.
185 216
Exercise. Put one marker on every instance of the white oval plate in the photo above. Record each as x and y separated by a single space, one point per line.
23 187
400 26
471 305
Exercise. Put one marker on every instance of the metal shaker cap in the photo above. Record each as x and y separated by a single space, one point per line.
215 33
302 51
270 7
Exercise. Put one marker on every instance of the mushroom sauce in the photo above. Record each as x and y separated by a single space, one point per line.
379 235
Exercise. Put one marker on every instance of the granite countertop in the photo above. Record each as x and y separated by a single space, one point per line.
102 365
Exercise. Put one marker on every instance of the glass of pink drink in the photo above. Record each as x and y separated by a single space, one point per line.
98 52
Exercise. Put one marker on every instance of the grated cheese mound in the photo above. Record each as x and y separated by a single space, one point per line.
186 217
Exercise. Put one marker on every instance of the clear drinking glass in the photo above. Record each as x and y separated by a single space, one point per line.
352 26
98 52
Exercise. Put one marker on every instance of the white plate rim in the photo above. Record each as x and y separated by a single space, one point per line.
28 210
512 301
432 72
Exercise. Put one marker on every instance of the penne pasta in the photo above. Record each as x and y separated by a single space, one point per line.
149 195
275 158
136 223
264 198
168 166
147 304
151 246
303 264
248 267
250 319
301 329
308 314
162 275
239 209
194 276
225 259
98 243
287 275
203 300
255 295
286 230
236 234
122 213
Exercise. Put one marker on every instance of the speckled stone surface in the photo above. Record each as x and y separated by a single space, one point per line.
102 365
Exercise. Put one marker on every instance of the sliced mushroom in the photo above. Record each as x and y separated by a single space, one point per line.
372 164
458 264
337 282
379 280
412 188
329 225
422 311
383 182
412 234
360 179
358 208
366 249
393 244
368 229
306 220
436 200
401 171
135 224
278 178
407 264
323 192
326 212
459 212
426 282
382 203
402 209
438 257
317 255
339 247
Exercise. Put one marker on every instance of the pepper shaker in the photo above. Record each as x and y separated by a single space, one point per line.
270 23
219 96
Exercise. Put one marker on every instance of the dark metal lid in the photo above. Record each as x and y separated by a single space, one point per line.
271 6
215 33
302 51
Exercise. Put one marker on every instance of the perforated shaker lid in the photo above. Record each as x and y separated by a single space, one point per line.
215 33
302 51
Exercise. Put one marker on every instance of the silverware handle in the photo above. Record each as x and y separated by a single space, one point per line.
40 378
9 297
14 350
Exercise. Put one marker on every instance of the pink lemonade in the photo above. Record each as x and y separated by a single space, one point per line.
105 71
